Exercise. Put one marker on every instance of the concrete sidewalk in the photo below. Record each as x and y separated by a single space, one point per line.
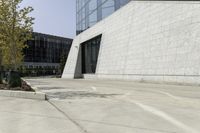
97 106
32 116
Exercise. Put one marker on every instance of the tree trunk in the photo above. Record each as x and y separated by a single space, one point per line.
1 58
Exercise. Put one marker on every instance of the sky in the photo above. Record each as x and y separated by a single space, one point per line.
54 17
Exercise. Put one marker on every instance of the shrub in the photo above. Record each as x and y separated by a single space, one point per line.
1 78
14 79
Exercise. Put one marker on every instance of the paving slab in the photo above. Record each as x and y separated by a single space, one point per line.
106 106
32 116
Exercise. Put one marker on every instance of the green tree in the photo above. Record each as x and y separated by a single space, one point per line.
15 30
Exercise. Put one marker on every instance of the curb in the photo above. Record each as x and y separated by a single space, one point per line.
23 94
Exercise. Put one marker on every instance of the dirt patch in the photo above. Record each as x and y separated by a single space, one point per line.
24 87
3 86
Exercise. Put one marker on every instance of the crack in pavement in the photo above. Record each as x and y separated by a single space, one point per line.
82 129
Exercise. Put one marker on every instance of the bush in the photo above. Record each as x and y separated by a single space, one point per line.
14 79
1 78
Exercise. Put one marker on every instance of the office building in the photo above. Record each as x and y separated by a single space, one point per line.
45 51
89 12
142 41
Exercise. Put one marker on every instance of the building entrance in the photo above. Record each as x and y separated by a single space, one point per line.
90 53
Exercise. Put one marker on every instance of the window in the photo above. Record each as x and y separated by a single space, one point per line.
90 52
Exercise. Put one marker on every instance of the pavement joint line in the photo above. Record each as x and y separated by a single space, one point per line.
170 95
82 129
162 115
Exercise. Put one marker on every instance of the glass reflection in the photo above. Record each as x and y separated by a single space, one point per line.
89 12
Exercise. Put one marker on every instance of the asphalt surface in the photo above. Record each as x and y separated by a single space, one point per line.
103 106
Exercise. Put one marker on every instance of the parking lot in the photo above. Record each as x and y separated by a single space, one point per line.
105 106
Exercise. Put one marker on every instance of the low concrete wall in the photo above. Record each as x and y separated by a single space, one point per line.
146 41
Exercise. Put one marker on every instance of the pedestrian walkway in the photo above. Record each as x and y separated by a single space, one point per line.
32 116
105 106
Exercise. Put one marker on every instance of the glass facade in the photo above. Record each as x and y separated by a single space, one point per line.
89 12
46 48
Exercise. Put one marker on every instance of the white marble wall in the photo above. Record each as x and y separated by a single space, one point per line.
146 40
